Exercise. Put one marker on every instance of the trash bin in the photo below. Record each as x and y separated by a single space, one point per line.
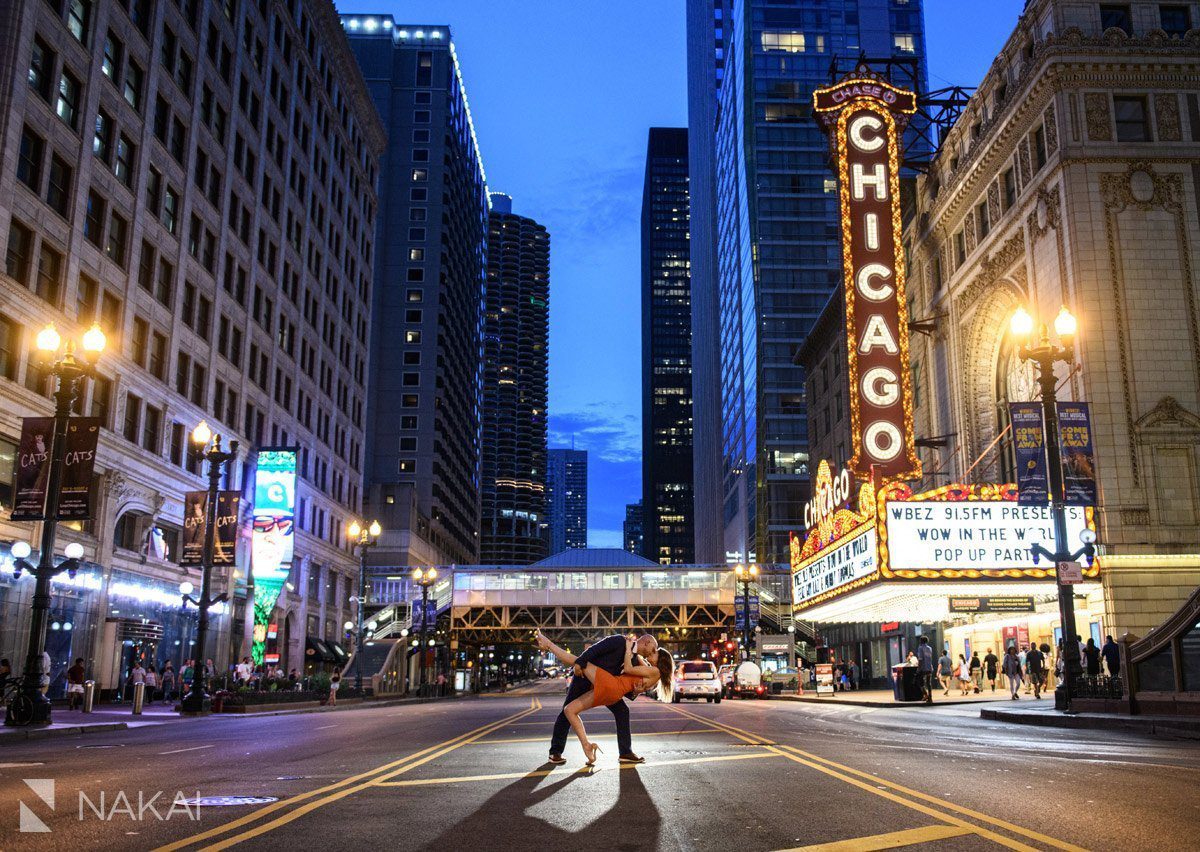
906 683
89 695
139 697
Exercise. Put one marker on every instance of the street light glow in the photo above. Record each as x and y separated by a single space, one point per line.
20 549
1065 323
74 550
186 588
48 339
354 530
1021 323
202 434
375 529
94 340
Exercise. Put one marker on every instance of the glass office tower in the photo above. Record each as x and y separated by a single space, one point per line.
774 224
666 351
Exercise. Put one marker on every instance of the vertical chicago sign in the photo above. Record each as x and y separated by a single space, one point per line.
865 118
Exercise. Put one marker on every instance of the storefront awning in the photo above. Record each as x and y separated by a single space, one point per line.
916 602
316 650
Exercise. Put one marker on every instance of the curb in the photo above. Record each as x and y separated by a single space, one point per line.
853 703
23 734
1126 724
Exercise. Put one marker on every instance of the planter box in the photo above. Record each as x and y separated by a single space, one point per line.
287 705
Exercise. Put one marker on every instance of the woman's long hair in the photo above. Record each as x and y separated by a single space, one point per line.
666 675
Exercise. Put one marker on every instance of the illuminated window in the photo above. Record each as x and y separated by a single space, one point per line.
788 42
905 43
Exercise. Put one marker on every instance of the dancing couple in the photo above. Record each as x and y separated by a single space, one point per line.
605 674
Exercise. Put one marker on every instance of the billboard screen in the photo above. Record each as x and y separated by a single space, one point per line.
272 540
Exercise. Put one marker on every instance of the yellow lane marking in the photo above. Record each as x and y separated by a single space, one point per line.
482 730
847 773
891 840
598 736
583 770
596 717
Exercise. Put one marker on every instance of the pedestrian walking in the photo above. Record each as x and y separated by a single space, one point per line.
1024 671
990 664
964 675
976 669
855 672
137 675
334 683
1012 671
75 676
945 671
1091 656
151 683
168 682
925 668
1111 653
1035 668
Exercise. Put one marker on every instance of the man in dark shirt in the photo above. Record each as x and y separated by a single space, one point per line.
925 667
75 676
607 654
1035 667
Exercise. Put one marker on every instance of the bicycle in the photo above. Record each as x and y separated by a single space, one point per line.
19 705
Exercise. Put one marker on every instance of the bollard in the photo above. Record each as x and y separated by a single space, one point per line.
89 695
139 696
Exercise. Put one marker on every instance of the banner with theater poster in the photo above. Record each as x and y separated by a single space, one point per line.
195 512
1029 449
1078 455
32 470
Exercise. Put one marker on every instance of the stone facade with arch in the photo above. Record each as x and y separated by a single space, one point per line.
1073 178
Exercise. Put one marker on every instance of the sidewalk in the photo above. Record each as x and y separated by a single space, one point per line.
1181 727
885 698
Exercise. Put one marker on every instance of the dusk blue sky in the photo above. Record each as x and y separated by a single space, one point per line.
562 94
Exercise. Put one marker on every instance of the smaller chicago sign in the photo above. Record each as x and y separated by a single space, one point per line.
866 117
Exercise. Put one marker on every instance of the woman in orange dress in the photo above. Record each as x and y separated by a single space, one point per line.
608 688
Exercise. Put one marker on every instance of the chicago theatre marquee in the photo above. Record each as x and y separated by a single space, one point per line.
879 556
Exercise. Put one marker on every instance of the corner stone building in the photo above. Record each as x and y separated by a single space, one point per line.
199 179
1072 179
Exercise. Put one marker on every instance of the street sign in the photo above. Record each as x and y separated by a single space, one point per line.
1070 573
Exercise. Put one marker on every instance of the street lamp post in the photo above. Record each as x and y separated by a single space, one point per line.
746 574
1045 355
31 706
197 701
424 578
363 538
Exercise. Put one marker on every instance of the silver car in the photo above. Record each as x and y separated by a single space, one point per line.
697 680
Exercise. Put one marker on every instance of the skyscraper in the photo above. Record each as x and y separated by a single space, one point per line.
515 357
567 492
666 351
425 384
772 215
631 530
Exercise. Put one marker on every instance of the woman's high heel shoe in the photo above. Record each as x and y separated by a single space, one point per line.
590 751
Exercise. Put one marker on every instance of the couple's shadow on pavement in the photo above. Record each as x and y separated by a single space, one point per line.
631 822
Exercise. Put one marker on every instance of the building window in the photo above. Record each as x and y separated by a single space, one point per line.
170 209
10 337
960 249
41 68
49 275
1175 20
1115 15
416 235
102 141
981 216
67 105
101 399
93 222
19 256
1008 188
133 416
123 167
420 155
110 65
419 175
58 190
1039 147
416 273
1131 115
87 299
412 337
408 466
29 159
118 239
787 42
79 19
904 43
418 193
416 254
134 77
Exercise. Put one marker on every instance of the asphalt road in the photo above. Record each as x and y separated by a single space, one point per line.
465 774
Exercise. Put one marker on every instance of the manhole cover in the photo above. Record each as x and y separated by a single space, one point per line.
231 801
